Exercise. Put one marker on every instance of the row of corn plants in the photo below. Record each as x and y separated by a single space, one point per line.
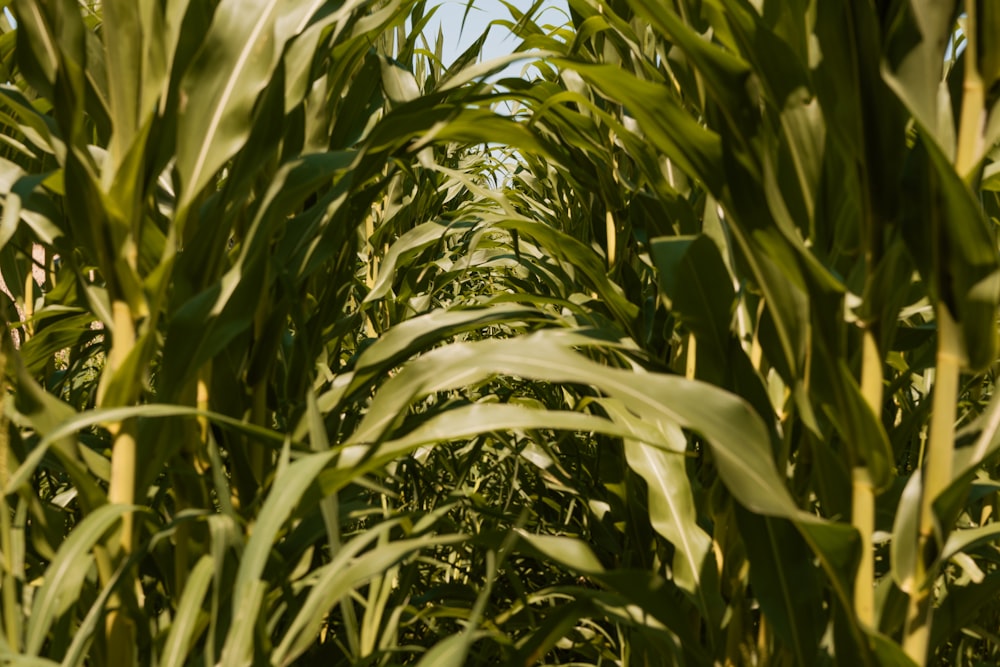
800 200
314 355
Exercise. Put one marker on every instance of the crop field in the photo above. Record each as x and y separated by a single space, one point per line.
669 338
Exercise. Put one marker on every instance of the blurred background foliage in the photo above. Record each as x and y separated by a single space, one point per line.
678 348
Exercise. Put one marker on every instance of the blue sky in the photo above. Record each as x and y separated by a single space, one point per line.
456 39
449 18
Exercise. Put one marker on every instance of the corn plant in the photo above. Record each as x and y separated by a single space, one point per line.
825 249
676 349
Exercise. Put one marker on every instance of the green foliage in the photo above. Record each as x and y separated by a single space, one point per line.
679 348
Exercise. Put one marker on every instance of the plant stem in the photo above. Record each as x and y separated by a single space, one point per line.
119 628
612 239
194 447
862 487
29 308
937 472
691 359
372 273
123 448
937 468
11 609
970 129
863 520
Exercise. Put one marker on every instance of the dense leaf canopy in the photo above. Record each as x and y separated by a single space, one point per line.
679 347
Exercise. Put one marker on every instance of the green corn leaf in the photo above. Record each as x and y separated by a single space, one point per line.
786 582
288 489
739 439
337 580
697 284
672 513
696 150
64 577
954 249
235 63
183 631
